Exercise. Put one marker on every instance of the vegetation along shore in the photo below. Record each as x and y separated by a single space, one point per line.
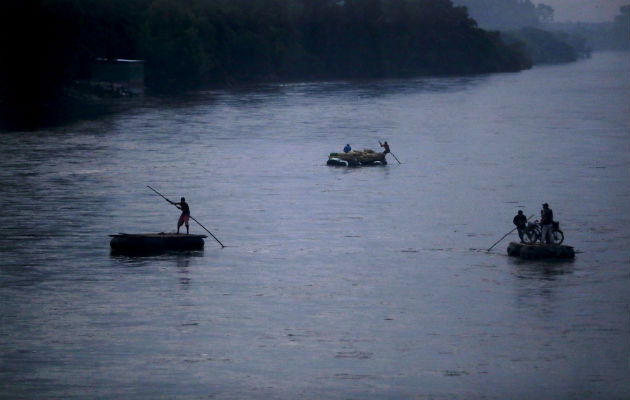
51 46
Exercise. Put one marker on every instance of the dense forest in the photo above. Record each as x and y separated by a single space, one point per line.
47 45
507 14
613 35
545 47
545 40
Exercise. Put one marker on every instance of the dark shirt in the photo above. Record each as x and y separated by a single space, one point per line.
546 216
520 220
184 207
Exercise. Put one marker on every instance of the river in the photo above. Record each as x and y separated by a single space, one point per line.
335 283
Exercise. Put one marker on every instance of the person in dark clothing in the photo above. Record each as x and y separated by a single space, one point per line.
185 217
386 146
521 223
546 224
347 148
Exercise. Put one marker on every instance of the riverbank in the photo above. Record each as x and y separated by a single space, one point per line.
195 45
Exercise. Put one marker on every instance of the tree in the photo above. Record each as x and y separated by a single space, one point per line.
544 13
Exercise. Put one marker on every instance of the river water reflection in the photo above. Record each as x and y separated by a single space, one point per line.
336 283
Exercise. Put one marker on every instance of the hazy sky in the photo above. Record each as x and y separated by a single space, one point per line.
584 10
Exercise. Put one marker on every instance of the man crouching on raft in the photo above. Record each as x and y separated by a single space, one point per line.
185 217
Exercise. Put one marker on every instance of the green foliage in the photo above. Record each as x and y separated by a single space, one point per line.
546 47
170 38
38 39
507 14
613 35
195 43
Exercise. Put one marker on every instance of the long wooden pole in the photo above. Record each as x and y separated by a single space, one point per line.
395 157
379 142
191 217
504 236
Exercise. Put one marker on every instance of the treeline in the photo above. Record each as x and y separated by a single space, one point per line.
545 47
544 40
522 22
47 44
613 35
507 14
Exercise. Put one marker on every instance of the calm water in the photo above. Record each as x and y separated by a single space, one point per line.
369 283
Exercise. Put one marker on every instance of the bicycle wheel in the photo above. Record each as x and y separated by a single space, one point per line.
530 236
558 236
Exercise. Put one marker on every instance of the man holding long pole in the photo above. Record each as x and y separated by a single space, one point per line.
504 236
185 217
387 150
520 220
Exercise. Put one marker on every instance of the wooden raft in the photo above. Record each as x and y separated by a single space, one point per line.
156 241
540 251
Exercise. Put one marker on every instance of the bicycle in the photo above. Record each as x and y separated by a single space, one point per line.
533 233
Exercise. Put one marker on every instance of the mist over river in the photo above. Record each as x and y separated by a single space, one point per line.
336 283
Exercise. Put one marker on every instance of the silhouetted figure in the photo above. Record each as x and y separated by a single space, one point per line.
385 145
546 224
185 217
521 223
347 149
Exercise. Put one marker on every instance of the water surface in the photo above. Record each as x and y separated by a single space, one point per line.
336 282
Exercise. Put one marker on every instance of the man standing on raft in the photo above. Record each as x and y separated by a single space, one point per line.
546 223
386 146
185 217
520 220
